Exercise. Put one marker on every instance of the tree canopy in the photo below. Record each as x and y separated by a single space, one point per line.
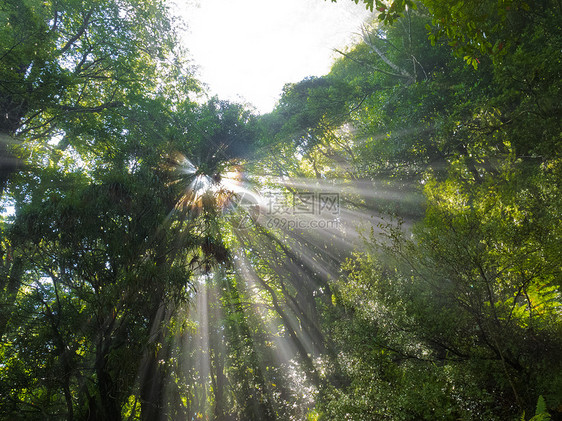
385 244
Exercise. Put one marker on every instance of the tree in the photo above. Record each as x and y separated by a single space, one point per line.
476 282
130 289
65 63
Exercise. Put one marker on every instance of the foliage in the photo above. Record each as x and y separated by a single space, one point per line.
130 289
459 314
474 29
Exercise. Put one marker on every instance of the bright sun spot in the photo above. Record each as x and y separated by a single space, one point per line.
247 50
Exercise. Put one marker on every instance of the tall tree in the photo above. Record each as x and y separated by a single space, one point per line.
63 63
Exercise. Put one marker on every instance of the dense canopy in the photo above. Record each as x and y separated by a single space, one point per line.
385 244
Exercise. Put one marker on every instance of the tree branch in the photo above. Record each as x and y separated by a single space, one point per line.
99 108
78 34
375 49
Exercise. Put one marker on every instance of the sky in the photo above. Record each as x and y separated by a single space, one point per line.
247 50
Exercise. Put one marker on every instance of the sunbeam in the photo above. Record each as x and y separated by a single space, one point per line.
385 244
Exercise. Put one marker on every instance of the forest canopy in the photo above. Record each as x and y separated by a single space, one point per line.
385 244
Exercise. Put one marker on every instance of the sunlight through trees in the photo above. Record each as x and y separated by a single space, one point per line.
385 244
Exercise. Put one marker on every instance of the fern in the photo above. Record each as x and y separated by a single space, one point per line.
541 413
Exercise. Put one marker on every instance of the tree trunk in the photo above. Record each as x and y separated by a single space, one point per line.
107 409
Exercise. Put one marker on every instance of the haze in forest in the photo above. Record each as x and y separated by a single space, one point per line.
385 244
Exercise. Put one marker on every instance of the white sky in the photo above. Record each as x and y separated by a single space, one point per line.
246 50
